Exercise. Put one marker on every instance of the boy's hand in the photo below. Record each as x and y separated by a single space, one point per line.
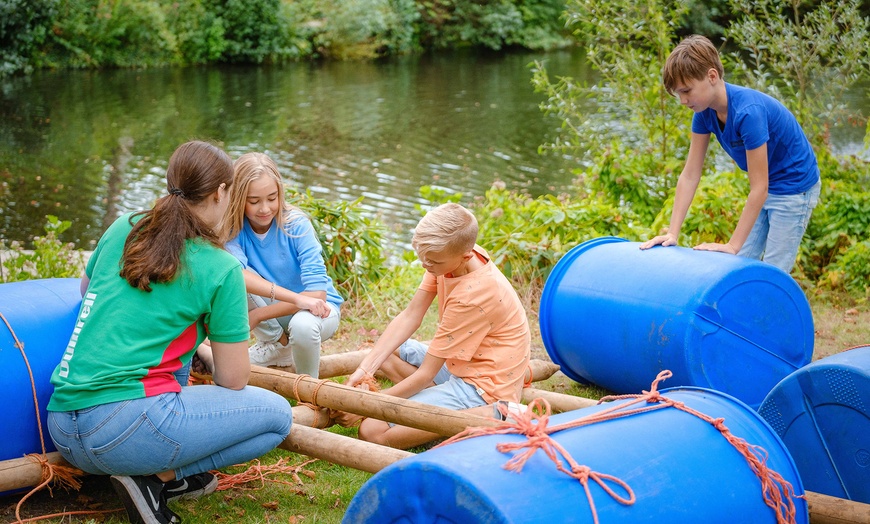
713 246
664 240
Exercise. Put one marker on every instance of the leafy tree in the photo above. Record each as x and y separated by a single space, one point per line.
630 134
24 26
809 55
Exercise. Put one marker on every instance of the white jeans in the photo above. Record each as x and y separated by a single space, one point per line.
305 331
777 233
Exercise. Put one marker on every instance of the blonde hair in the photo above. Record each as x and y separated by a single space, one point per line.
449 228
690 60
247 168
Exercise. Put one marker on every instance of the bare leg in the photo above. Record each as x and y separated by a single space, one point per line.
403 437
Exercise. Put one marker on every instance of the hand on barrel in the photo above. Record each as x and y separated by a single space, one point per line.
664 240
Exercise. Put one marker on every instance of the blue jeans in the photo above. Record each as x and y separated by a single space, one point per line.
449 390
305 333
777 233
200 429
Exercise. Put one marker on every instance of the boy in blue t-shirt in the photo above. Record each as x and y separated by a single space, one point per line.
762 137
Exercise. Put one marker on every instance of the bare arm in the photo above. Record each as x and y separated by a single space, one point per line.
398 331
232 366
313 301
418 380
687 184
84 284
756 163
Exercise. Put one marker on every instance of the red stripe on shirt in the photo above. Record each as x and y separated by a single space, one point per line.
160 378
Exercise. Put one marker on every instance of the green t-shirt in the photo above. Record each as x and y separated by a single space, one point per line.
127 343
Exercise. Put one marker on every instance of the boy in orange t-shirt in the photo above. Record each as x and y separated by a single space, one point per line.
480 351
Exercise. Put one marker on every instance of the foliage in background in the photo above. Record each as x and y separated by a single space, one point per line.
50 258
351 242
808 55
142 33
527 236
630 134
24 27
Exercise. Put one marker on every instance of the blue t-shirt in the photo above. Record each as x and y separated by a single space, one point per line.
754 119
291 258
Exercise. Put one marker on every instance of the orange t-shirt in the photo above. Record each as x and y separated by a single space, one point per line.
483 332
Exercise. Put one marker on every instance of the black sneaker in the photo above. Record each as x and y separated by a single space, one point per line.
190 487
144 499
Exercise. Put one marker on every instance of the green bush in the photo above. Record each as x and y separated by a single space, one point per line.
24 27
101 33
351 242
527 236
50 258
714 212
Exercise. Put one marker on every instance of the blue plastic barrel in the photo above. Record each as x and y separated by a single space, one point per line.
681 469
614 315
42 314
822 413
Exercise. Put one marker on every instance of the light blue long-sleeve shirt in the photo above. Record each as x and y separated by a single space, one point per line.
292 259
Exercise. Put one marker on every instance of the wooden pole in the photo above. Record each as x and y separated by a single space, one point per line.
559 402
344 451
328 394
25 472
825 509
343 364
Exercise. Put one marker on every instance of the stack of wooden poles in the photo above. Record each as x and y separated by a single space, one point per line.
317 397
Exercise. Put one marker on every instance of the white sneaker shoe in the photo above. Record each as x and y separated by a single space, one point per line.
508 411
270 354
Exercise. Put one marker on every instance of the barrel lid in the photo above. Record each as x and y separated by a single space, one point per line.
822 413
549 293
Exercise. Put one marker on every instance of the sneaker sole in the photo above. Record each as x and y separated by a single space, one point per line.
190 495
134 502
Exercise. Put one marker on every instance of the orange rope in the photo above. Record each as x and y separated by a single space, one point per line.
257 473
777 492
66 475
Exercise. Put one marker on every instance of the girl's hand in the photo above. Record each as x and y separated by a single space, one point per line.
664 240
316 306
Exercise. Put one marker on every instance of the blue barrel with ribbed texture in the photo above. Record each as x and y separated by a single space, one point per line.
680 468
614 315
822 413
41 314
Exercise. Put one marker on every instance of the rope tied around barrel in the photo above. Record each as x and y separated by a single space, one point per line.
777 492
65 476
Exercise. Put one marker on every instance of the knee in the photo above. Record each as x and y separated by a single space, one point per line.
373 431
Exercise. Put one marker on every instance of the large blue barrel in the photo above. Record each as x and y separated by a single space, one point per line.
822 413
42 314
614 315
681 469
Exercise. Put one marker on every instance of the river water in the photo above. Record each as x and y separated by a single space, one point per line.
88 145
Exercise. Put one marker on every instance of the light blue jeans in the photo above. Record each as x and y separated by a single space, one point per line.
777 233
200 429
305 333
449 390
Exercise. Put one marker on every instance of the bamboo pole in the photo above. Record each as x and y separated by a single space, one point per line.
825 509
344 451
328 394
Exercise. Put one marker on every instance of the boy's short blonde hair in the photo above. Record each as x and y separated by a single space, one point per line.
449 228
691 60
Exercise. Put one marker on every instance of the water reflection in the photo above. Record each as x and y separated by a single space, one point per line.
87 145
